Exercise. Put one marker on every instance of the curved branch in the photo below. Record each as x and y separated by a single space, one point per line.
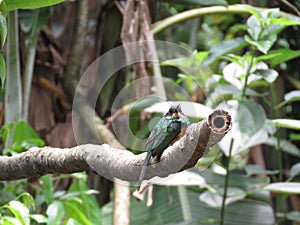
117 163
193 13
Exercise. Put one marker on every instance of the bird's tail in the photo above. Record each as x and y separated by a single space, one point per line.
144 168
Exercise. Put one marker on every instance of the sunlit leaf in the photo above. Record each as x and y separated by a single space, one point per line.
20 211
292 96
268 75
184 178
284 187
39 218
286 123
47 188
55 213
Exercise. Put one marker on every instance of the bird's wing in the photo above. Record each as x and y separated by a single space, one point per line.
162 135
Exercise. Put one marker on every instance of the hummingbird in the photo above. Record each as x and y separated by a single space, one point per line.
170 128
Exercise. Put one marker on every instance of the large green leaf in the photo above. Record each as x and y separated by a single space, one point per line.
166 209
250 117
225 47
29 4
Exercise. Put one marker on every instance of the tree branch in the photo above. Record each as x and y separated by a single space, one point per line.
112 162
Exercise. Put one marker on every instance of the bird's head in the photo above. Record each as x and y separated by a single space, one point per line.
174 112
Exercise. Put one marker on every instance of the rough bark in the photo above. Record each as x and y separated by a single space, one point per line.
117 163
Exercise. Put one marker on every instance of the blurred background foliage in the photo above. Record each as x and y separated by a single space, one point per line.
244 59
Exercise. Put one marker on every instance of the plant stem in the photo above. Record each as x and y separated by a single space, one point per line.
29 66
277 147
184 202
247 76
279 155
226 184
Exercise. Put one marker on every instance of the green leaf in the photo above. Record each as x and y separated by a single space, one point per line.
255 169
268 75
3 28
285 145
294 216
33 20
284 187
250 117
72 211
263 44
279 56
39 218
30 4
223 48
253 28
7 220
295 170
83 200
215 199
20 211
253 11
2 70
164 212
284 21
286 123
71 221
55 213
47 188
292 96
20 136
